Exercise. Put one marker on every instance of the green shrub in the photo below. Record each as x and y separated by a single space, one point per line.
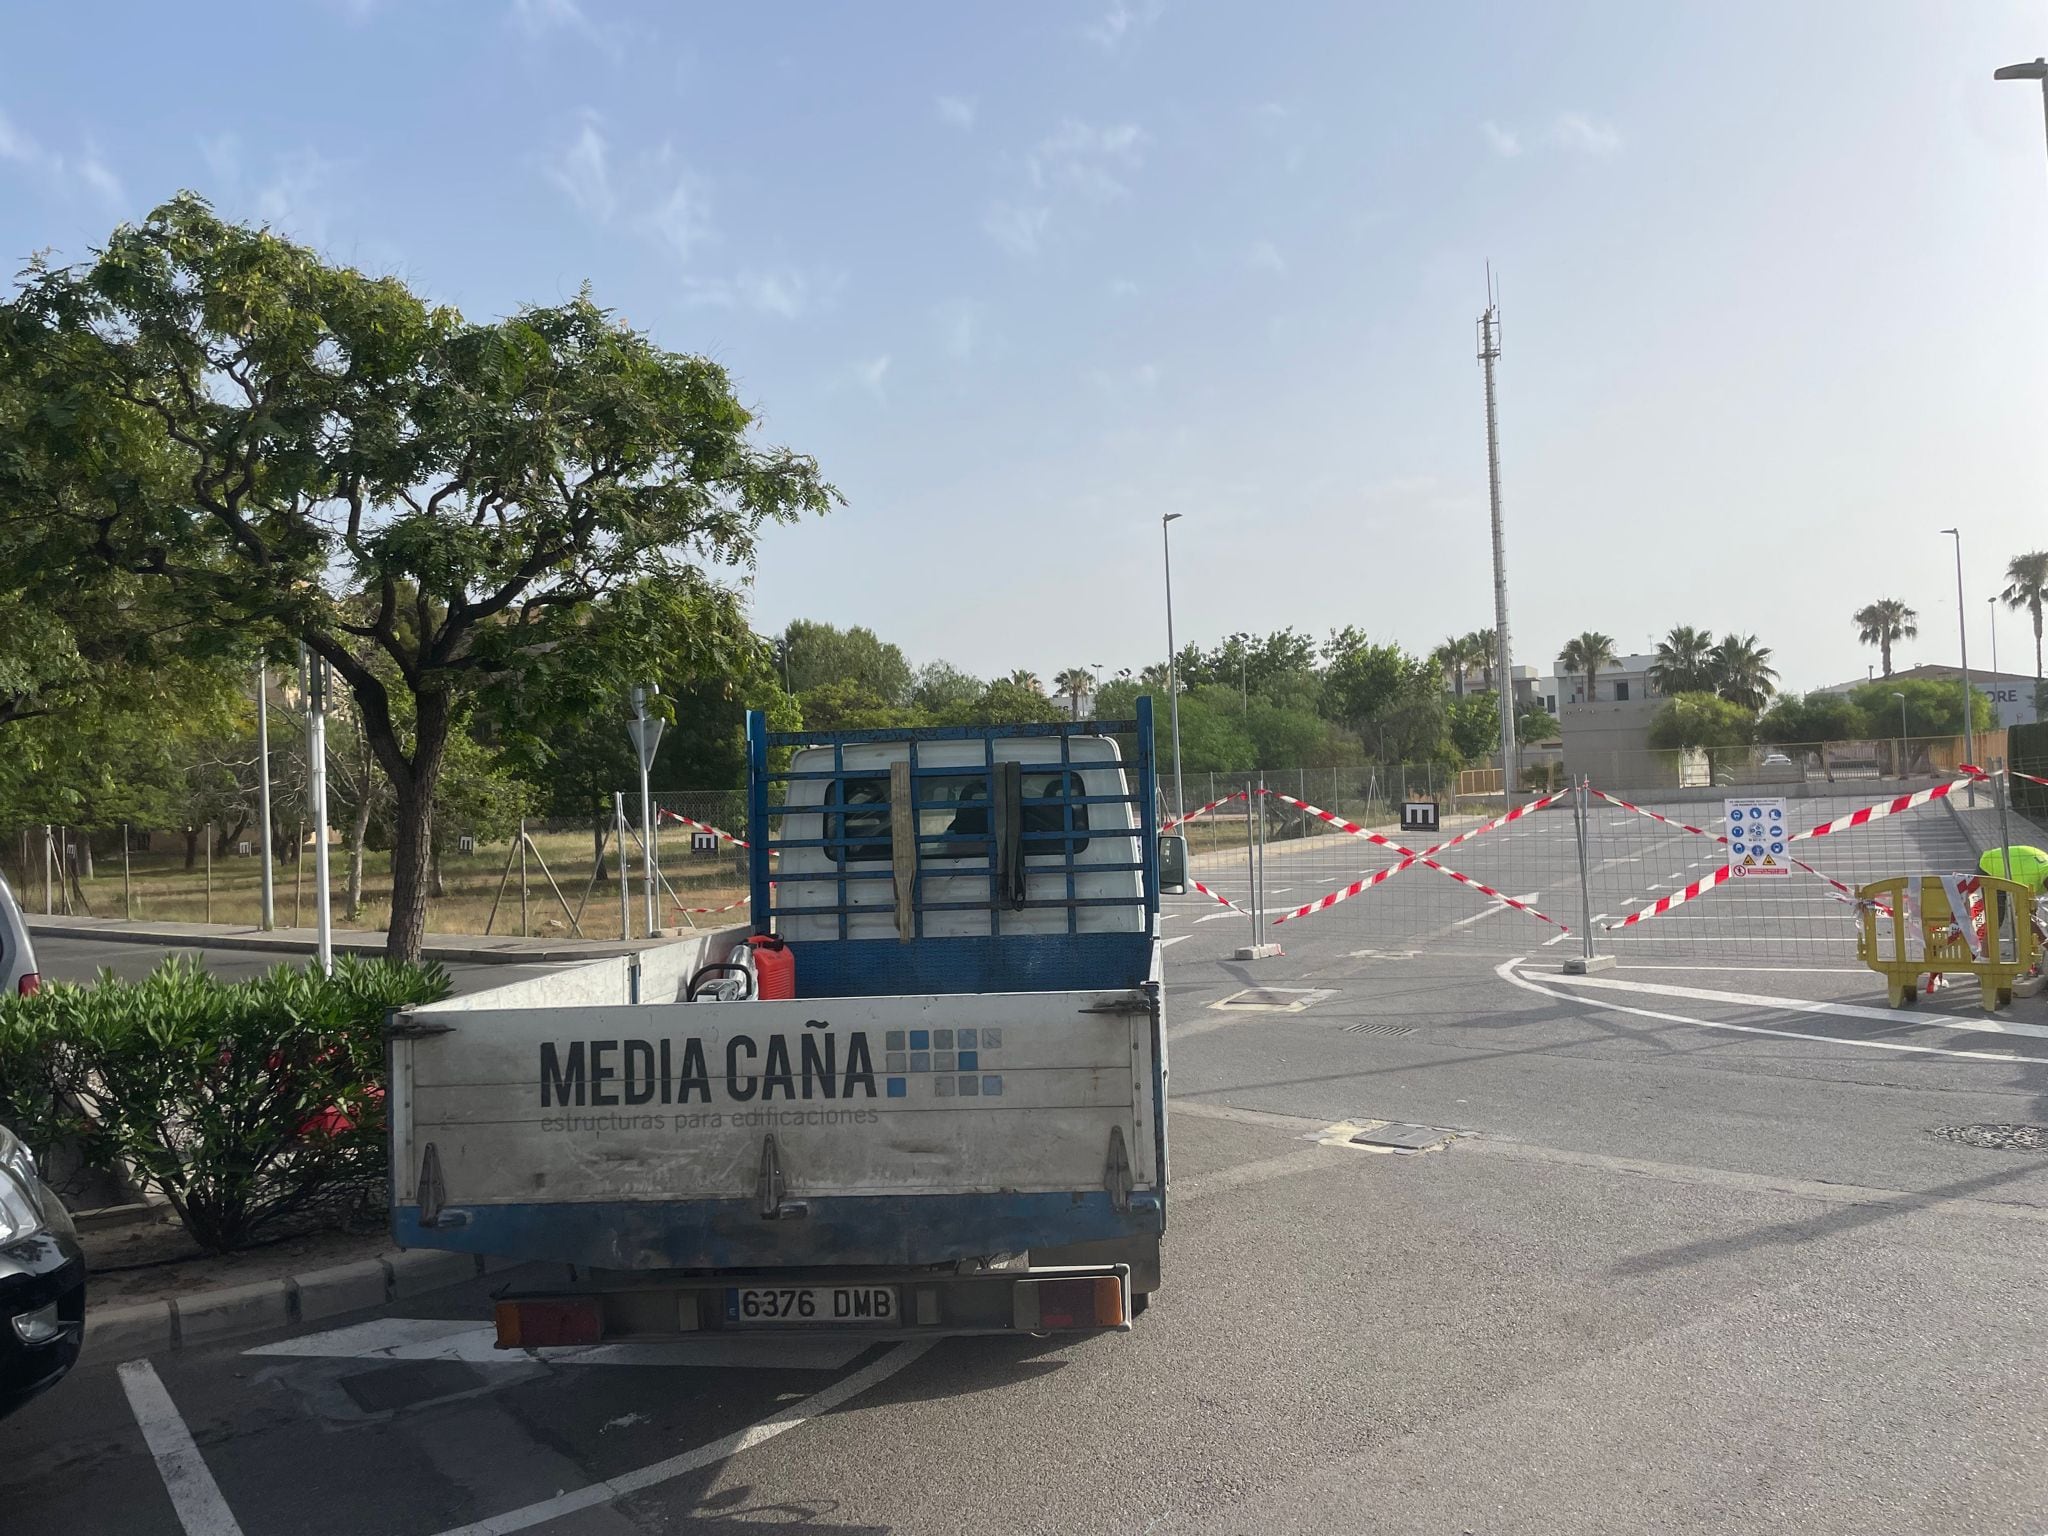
242 1102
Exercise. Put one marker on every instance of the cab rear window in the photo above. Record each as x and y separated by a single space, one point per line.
953 817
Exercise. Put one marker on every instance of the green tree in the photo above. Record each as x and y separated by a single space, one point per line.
1742 671
1934 706
814 654
1475 726
1534 724
851 705
939 685
1883 622
1586 656
1685 662
1453 656
2026 586
1701 720
287 447
1818 717
1004 702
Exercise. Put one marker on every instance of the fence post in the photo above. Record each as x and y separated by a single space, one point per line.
523 932
127 891
209 871
625 884
49 852
1585 960
298 870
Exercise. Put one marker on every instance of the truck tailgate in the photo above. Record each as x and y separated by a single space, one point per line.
918 1128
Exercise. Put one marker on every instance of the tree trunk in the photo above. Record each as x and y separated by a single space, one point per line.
359 829
229 836
1884 654
415 870
85 854
191 849
600 830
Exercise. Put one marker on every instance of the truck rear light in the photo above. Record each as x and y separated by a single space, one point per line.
550 1323
30 984
1090 1302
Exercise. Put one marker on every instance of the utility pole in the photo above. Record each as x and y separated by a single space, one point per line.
1489 354
1963 641
316 775
262 789
1180 799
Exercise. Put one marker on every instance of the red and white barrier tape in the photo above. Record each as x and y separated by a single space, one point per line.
703 911
1870 813
1180 821
2031 778
663 814
1684 826
1226 901
1410 856
1664 904
1349 891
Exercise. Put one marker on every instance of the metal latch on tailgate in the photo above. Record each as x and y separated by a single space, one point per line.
772 1186
1116 1173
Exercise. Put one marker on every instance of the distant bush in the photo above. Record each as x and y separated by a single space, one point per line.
241 1102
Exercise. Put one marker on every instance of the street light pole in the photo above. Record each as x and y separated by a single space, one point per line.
1963 639
2038 70
268 913
1993 601
1902 733
1504 699
1180 803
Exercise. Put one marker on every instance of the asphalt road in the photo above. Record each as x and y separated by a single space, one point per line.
1707 1258
64 958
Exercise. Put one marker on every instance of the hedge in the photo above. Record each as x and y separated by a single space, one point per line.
242 1103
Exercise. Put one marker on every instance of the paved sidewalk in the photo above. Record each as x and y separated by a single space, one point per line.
303 941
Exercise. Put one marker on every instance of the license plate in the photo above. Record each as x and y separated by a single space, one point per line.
748 1306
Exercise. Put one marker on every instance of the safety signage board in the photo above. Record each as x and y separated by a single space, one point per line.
1758 837
703 842
1419 816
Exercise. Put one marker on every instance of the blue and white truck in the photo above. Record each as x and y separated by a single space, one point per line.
957 1123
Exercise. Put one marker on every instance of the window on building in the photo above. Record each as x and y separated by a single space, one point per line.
1620 690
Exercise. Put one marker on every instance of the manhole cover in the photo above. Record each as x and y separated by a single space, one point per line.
1411 1138
1379 1031
1273 999
1997 1138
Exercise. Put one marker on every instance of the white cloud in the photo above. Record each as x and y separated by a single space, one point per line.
1018 228
960 324
682 219
583 170
1121 22
1124 288
1264 256
295 198
1585 135
785 291
68 174
540 19
957 110
1504 142
872 373
1079 157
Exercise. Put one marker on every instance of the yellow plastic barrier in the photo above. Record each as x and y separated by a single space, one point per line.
1943 947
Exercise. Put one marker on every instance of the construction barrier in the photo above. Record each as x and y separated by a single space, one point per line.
1954 936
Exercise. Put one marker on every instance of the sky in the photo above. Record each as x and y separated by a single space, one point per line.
1773 283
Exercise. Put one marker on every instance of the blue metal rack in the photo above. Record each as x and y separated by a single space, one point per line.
855 818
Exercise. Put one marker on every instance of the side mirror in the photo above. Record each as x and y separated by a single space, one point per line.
1173 863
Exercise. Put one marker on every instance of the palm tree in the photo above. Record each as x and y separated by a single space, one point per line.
1074 682
2027 587
1684 662
1024 677
1452 656
1482 645
1742 671
1586 656
1882 622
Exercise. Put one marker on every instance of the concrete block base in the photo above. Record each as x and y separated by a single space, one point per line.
1258 952
1580 965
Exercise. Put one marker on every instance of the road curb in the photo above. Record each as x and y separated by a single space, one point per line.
457 948
114 1334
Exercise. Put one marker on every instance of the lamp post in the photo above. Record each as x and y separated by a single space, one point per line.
1902 733
2038 70
1993 601
1963 639
1180 803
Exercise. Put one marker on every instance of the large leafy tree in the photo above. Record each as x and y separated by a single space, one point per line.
289 449
812 654
1882 624
1685 662
2026 586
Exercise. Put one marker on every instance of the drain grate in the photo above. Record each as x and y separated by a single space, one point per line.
1273 999
1379 1031
1402 1138
1997 1138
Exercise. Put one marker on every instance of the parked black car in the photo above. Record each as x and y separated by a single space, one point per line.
42 1280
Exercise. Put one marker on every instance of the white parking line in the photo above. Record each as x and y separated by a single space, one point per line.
195 1496
1179 938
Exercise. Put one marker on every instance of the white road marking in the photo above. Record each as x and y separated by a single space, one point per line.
1217 917
1505 970
1761 970
1494 910
437 1338
721 1449
1180 938
195 1496
1167 917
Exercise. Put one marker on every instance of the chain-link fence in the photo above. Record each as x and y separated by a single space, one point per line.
1642 860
